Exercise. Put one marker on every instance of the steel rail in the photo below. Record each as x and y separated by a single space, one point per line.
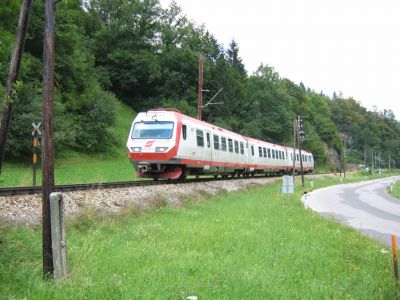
25 190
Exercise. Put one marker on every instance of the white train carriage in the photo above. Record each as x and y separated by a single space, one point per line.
307 159
164 143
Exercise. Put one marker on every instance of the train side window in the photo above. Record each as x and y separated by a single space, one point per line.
273 153
259 151
223 143
236 147
230 145
265 152
297 157
200 138
184 131
252 150
269 153
280 154
216 142
208 140
241 148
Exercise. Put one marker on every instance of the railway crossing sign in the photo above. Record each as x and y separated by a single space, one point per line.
36 128
287 184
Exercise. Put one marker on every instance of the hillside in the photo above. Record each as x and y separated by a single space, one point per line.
75 167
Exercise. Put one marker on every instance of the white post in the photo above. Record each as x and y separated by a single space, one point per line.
58 236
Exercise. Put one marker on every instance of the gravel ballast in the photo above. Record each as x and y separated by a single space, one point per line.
26 209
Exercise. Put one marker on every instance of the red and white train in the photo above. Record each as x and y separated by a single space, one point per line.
163 143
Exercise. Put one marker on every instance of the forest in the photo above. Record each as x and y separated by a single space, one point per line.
147 56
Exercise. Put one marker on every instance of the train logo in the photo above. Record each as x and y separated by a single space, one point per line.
149 144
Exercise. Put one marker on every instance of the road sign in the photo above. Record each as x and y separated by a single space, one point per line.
287 184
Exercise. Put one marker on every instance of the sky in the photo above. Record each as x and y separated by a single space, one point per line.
347 46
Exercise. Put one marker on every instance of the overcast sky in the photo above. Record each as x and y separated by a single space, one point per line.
352 46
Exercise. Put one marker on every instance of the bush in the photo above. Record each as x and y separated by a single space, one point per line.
96 116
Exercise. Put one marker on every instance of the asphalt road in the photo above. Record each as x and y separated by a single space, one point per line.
366 206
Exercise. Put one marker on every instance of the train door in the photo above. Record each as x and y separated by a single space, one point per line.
208 149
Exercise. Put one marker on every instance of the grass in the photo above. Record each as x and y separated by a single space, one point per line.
75 167
396 190
253 244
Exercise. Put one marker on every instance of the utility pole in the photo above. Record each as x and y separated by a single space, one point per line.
48 146
200 90
365 156
12 76
299 126
344 159
294 147
379 163
372 159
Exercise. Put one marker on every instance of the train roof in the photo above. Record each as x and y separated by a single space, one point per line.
174 111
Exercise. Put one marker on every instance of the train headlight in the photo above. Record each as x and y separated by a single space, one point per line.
161 149
136 149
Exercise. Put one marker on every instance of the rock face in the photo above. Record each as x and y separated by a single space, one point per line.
333 159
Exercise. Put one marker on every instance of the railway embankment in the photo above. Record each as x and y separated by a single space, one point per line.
26 209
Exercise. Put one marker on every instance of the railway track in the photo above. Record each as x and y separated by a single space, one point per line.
24 190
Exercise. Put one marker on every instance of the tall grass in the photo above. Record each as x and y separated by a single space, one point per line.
253 244
396 190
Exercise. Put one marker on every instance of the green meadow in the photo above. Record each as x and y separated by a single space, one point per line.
251 244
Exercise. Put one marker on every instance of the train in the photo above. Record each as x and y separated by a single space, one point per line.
166 144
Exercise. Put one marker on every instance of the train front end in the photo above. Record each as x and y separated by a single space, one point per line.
153 144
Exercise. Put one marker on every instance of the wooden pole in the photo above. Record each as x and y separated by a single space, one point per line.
12 75
200 90
47 141
58 236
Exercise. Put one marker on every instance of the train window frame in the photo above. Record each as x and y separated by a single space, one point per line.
259 151
223 143
273 153
264 152
137 132
200 138
230 145
236 143
252 150
269 153
241 148
208 138
297 157
216 142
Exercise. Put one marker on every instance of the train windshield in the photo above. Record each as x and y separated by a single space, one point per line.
152 130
